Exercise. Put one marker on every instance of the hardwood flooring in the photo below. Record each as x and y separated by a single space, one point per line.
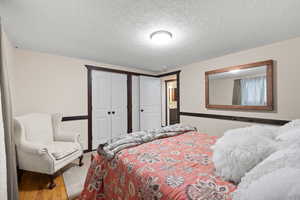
33 186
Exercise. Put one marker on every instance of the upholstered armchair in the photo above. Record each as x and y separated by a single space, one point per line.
42 146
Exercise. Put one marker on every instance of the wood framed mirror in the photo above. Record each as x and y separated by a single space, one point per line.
245 87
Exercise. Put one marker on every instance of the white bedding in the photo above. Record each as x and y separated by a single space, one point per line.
281 184
276 177
239 150
289 157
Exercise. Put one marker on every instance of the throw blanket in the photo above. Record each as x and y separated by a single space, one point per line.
110 148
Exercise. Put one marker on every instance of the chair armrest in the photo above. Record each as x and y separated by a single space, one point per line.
33 148
25 145
67 136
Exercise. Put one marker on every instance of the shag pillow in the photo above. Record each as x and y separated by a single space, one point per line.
289 157
282 184
289 138
289 126
239 150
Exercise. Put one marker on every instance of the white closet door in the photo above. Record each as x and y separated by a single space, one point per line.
135 103
119 104
101 106
150 103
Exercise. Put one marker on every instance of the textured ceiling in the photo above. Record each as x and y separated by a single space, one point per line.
117 31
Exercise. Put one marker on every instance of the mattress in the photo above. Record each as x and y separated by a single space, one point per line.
178 167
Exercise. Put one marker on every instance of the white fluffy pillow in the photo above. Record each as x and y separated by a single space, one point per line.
239 150
288 138
289 157
289 126
282 184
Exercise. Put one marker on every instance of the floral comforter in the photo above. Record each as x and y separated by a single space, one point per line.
174 168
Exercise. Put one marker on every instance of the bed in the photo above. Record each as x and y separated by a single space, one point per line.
177 167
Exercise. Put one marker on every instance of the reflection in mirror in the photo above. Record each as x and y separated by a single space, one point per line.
246 87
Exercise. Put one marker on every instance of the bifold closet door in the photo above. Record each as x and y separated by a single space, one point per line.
135 103
101 107
150 102
109 106
119 104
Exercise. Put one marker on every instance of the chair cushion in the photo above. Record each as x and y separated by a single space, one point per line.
60 150
38 127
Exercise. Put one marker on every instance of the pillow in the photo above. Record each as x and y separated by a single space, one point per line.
289 157
265 131
272 128
289 126
288 138
282 184
239 150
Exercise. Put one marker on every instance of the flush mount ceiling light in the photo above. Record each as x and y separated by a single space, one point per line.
161 37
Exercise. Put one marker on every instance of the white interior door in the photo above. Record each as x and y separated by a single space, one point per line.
150 103
101 107
135 103
119 104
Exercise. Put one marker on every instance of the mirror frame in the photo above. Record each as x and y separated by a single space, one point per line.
268 107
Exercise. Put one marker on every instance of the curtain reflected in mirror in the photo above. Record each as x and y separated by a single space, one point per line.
237 93
250 91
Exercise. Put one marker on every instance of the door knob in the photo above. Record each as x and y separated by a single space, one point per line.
113 112
142 110
108 112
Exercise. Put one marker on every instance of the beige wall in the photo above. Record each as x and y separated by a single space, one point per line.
287 85
50 84
221 91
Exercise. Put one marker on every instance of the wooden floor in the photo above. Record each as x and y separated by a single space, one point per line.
34 187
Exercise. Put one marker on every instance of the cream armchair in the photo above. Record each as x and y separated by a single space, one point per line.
42 146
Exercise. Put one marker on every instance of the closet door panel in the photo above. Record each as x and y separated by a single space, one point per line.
101 106
101 130
135 103
119 104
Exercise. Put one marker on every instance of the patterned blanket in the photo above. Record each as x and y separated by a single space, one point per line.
111 147
176 168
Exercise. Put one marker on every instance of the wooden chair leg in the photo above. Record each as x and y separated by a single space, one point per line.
92 157
52 183
20 173
80 161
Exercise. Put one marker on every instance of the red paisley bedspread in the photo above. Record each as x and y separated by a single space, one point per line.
178 167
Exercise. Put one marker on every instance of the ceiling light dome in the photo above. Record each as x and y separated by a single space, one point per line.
161 37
